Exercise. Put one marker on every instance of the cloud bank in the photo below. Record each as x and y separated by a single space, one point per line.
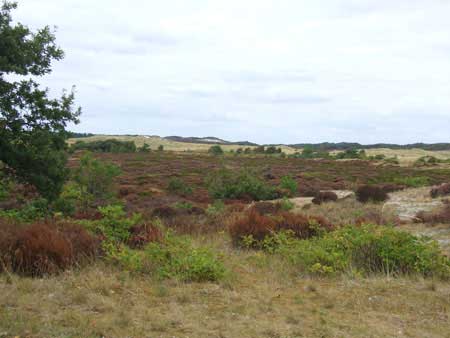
285 71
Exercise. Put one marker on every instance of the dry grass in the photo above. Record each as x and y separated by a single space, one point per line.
262 300
408 156
155 141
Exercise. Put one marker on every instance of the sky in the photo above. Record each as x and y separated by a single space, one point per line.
278 71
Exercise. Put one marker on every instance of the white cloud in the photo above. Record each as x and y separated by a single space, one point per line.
268 71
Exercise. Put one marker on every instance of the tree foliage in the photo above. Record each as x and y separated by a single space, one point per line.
32 125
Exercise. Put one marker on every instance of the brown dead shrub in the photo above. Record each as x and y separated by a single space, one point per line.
164 212
375 193
434 217
144 234
325 196
442 190
258 226
44 248
252 223
265 207
84 245
302 226
40 250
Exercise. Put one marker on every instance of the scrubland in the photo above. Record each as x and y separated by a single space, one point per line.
165 244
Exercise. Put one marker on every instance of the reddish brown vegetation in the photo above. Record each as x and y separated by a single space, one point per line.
440 216
42 249
265 208
374 193
442 190
302 226
258 226
325 196
144 234
251 223
39 250
164 212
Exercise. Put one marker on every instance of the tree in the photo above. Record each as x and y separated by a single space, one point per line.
32 126
215 150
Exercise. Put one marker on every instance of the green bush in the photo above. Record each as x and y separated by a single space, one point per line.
68 200
175 257
33 210
414 182
144 149
226 183
115 225
105 146
216 208
177 186
365 250
286 204
183 205
288 183
215 150
95 180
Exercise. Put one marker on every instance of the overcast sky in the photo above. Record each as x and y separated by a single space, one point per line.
279 71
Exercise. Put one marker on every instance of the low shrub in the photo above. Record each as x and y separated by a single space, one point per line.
85 247
289 184
164 212
286 204
325 196
244 184
374 193
33 210
44 249
174 257
252 228
434 217
302 226
94 180
115 226
177 186
367 249
413 182
442 190
216 208
215 150
265 208
143 234
40 250
105 146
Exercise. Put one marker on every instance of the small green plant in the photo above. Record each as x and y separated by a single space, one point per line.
216 208
95 180
226 183
115 225
286 204
215 150
175 257
144 149
288 183
160 147
415 182
183 205
368 249
33 210
177 186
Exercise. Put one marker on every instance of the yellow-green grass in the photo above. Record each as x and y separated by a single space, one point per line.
408 156
155 141
405 156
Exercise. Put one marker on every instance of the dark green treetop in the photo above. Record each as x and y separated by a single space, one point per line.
32 125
